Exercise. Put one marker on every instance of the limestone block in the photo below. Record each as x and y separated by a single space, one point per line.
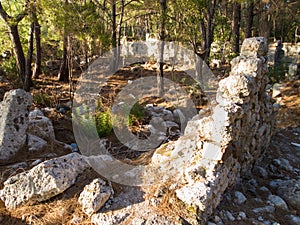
247 66
13 122
42 127
43 181
94 196
194 194
235 89
36 143
212 151
254 47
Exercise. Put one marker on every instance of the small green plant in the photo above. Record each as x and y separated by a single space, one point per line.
137 114
103 123
9 66
88 120
42 99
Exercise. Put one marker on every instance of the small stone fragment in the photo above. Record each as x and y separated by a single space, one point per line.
94 196
239 197
278 202
265 209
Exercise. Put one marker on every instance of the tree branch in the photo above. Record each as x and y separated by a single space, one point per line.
4 14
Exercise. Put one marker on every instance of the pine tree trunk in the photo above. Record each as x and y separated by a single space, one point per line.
15 39
160 71
21 63
63 74
249 19
28 71
38 61
236 26
114 34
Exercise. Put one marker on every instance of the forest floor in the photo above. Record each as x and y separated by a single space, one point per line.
64 208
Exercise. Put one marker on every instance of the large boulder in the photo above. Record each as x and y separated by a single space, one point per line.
13 122
43 181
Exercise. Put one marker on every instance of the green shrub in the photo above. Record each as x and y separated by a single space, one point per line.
88 121
103 123
137 114
41 99
9 66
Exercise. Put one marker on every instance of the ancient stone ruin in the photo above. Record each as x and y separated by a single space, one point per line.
226 144
218 146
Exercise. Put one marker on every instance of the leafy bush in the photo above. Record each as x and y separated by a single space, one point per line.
102 118
103 123
137 114
42 99
9 66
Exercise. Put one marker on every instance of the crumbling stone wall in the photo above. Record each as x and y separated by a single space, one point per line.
217 149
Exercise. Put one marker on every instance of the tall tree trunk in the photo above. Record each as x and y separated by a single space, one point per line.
114 34
236 26
38 55
265 23
21 63
160 71
63 74
15 39
207 28
120 31
28 71
249 19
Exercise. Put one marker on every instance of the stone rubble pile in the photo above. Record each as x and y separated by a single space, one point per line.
270 196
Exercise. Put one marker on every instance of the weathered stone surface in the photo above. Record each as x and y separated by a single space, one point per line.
36 143
94 196
103 219
43 181
254 47
289 190
278 202
277 89
239 197
35 113
13 122
265 209
41 126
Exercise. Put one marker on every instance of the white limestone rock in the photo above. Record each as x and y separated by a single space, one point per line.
35 113
94 196
13 122
41 126
104 219
194 194
254 47
36 143
43 181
